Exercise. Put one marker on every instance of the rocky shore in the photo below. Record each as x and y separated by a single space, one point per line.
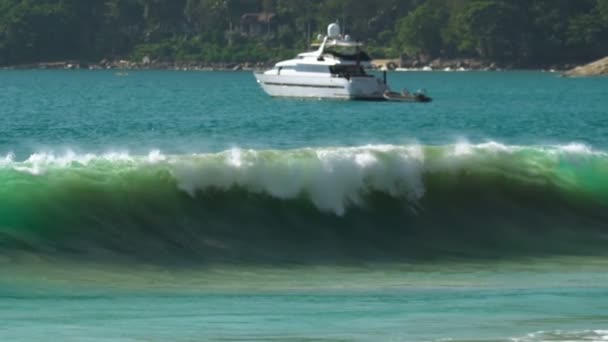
597 68
459 64
145 65
439 64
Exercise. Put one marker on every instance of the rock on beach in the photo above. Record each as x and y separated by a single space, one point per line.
597 68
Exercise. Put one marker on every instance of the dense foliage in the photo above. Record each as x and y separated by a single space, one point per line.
524 32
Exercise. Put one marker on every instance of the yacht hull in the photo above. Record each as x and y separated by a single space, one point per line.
355 88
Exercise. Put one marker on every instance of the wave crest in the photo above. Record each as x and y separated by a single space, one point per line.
367 202
337 178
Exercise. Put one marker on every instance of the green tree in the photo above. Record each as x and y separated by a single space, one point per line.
524 32
420 30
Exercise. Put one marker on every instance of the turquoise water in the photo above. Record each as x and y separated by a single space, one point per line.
189 206
200 112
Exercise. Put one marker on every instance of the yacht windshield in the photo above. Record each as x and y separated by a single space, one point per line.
347 70
350 56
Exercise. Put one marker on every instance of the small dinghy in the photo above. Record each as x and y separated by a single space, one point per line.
406 96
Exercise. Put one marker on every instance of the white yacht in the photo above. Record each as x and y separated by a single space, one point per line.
336 70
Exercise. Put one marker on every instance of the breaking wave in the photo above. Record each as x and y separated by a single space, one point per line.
377 202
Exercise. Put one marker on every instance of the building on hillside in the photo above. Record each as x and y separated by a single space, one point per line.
257 24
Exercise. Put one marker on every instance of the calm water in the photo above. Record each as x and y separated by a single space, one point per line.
201 112
188 206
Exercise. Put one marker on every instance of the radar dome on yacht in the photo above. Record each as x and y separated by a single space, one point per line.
347 38
333 30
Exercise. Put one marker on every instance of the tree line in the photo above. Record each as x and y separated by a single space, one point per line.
520 32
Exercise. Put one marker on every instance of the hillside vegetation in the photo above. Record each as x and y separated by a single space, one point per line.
518 32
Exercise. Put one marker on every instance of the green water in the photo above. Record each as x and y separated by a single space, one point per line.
469 302
185 206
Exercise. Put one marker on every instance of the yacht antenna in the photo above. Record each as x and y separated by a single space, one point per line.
321 48
358 50
308 32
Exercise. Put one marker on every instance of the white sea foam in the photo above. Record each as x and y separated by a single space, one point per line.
363 155
494 146
462 148
39 163
564 336
155 156
334 178
7 160
578 148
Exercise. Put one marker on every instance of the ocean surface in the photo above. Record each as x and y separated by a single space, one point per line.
190 206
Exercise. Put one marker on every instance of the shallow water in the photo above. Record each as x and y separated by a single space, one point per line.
497 301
